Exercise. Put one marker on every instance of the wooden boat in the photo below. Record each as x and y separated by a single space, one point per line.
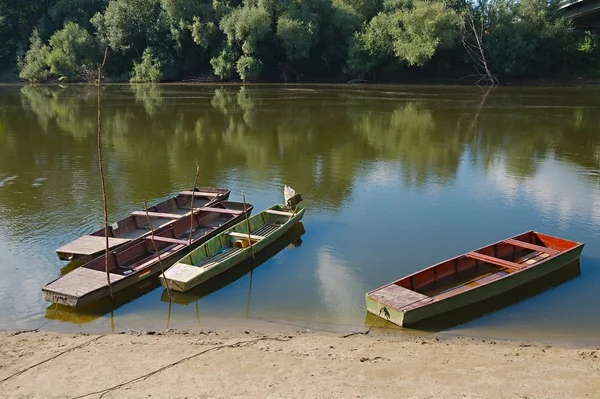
230 247
135 225
292 238
472 277
137 260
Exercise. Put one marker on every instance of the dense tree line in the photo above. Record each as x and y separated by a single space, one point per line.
292 40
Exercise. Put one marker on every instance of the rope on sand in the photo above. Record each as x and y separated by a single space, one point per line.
51 358
238 344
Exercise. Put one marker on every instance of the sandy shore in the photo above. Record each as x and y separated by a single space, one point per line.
221 364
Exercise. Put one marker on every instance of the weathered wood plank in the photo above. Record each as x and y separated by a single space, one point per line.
168 239
493 261
81 281
221 210
161 215
244 235
533 247
396 297
89 245
280 213
198 193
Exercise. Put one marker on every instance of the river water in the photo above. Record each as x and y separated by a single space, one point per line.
394 178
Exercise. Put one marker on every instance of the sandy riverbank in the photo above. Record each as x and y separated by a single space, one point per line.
222 364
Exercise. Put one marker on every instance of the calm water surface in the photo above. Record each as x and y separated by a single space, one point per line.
394 178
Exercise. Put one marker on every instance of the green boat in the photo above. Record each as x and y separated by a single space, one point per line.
231 247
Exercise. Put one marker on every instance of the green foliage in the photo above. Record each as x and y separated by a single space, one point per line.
131 25
224 65
297 37
248 67
525 38
34 66
203 33
74 52
411 35
246 26
148 70
427 27
288 39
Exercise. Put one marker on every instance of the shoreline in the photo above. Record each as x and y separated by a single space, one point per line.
572 82
289 363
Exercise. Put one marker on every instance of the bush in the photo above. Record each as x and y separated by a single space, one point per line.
34 66
74 52
148 70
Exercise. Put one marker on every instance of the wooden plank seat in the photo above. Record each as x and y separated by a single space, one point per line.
160 215
90 245
168 239
533 247
221 210
397 297
244 235
153 258
198 193
494 261
280 213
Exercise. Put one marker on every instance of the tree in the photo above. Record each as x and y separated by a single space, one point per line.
148 70
245 27
407 32
74 53
34 66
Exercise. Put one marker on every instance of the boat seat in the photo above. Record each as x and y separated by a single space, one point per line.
167 239
161 215
493 260
533 247
220 210
198 193
280 213
244 235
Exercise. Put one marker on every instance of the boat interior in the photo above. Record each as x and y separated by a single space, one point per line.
484 265
136 224
141 253
230 243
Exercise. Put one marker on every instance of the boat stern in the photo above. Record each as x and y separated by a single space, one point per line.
181 277
60 298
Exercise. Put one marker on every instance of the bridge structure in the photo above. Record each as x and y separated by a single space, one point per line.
584 13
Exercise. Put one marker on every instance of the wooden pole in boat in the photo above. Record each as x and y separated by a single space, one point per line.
102 176
192 203
247 224
162 269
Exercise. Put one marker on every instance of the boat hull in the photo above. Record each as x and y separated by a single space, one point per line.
89 247
183 277
84 286
432 308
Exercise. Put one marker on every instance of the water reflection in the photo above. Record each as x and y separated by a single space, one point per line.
339 287
259 129
390 168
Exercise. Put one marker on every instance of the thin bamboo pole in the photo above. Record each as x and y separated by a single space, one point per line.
249 293
247 224
162 269
102 175
192 202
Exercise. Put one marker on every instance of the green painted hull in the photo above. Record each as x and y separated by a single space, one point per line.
218 255
476 295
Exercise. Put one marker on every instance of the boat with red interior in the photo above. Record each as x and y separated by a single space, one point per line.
472 277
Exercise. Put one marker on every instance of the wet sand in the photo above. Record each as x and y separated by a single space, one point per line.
289 364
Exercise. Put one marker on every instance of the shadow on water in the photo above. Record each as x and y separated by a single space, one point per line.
290 238
456 317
